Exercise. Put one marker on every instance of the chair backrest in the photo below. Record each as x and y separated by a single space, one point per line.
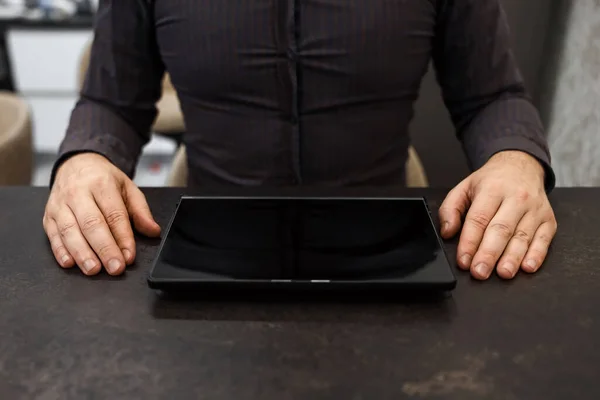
16 142
415 173
84 64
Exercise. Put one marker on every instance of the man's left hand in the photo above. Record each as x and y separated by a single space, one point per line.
508 221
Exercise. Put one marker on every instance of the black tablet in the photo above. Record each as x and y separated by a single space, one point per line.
301 243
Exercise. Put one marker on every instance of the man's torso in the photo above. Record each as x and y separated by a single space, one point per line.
296 91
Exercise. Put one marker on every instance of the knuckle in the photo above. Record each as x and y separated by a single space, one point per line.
101 182
488 254
66 228
468 246
91 222
116 217
127 243
80 255
55 239
494 186
105 249
51 208
545 239
71 194
502 229
479 220
540 207
522 195
536 255
470 243
59 184
552 220
59 250
522 236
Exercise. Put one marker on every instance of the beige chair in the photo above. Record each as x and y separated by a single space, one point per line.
169 119
415 173
16 142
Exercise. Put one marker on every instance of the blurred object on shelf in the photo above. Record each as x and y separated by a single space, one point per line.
45 9
10 9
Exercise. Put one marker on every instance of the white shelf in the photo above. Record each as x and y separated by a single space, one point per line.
46 60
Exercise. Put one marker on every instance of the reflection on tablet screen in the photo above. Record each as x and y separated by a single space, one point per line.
302 239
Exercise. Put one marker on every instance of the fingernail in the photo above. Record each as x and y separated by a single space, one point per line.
127 255
89 265
114 265
65 259
482 270
531 264
445 227
510 268
466 260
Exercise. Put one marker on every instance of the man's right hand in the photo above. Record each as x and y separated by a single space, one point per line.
87 217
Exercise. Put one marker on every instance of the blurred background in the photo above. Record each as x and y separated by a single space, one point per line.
43 55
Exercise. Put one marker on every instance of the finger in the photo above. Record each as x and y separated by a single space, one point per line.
110 202
538 249
476 222
139 211
98 235
496 237
517 247
59 250
453 209
75 242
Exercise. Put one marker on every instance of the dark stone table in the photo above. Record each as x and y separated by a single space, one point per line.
64 336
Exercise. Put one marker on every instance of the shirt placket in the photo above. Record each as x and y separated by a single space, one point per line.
288 28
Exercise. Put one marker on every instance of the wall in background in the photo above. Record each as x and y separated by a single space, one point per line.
573 107
432 131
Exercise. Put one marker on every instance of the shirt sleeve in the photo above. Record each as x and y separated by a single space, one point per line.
482 86
117 104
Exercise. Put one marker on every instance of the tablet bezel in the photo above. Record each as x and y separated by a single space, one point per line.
288 286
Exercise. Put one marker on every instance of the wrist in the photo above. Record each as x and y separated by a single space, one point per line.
68 159
522 160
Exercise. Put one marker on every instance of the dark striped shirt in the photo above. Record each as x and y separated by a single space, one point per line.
284 92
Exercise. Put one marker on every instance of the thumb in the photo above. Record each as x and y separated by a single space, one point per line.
454 208
139 211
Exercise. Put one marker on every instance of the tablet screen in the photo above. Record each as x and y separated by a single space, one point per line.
302 239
